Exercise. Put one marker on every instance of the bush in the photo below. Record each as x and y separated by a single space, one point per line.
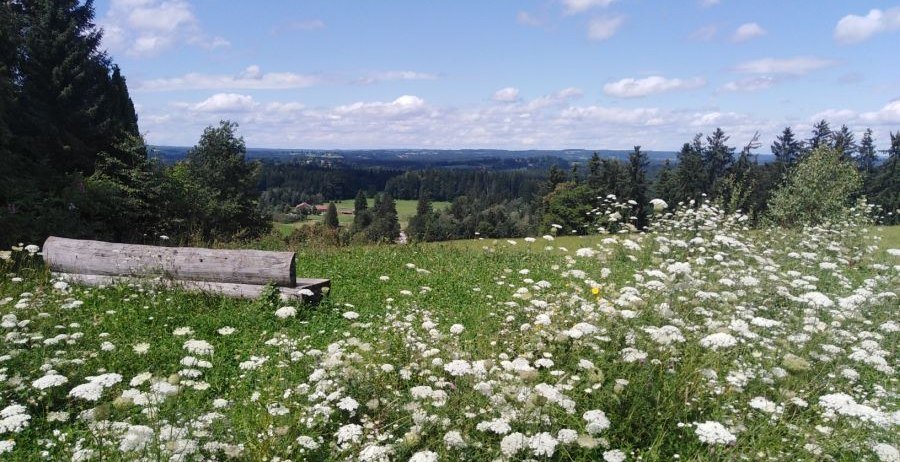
818 189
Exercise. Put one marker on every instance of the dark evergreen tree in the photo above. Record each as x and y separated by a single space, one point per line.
637 175
420 224
666 185
866 157
718 157
787 150
361 216
843 141
331 217
822 136
64 121
883 189
595 170
690 175
121 108
385 226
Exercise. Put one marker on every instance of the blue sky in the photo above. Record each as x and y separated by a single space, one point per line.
552 74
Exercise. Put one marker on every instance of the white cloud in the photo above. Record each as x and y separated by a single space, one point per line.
889 114
149 27
604 27
580 6
527 19
705 33
750 84
402 106
506 95
788 66
252 78
855 29
636 88
223 103
386 76
748 31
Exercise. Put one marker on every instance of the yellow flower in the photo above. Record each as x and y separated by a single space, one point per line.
595 290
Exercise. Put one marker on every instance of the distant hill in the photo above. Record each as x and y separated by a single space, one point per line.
433 158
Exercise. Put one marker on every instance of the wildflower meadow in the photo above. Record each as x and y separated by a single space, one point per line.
699 339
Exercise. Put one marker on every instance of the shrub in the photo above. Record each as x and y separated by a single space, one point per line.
819 188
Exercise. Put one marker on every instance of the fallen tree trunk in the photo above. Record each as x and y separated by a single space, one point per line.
183 263
307 290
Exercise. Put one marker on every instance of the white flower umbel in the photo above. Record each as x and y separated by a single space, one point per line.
711 432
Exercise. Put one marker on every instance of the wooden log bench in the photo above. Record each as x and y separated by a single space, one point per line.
234 273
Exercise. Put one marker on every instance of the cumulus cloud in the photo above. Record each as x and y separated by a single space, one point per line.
636 88
386 76
748 31
252 78
580 6
404 105
750 84
889 114
854 29
604 27
149 27
222 103
800 65
506 95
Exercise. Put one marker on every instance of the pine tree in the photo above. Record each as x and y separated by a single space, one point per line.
637 174
866 155
787 149
884 187
385 226
718 157
689 173
65 86
331 217
420 223
822 136
594 173
361 216
843 141
666 186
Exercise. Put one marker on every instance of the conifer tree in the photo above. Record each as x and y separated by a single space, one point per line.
420 223
866 155
362 218
385 226
331 217
787 149
822 136
594 172
843 141
637 175
689 174
718 157
666 186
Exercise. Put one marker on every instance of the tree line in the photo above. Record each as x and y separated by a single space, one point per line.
74 163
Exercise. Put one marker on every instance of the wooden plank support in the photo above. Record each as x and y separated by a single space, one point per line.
316 287
182 263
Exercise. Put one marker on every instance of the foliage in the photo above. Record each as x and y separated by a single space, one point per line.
819 188
331 216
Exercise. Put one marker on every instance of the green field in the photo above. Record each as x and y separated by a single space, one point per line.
406 209
731 378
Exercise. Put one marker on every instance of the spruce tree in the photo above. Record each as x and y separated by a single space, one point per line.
666 186
331 217
637 175
385 226
419 224
718 157
787 149
594 173
866 155
843 141
362 218
689 174
65 86
822 136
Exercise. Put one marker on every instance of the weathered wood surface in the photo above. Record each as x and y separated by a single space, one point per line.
316 287
183 263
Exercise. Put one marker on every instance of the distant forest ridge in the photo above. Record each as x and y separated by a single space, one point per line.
459 158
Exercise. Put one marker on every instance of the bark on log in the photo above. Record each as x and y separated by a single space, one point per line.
182 263
317 287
